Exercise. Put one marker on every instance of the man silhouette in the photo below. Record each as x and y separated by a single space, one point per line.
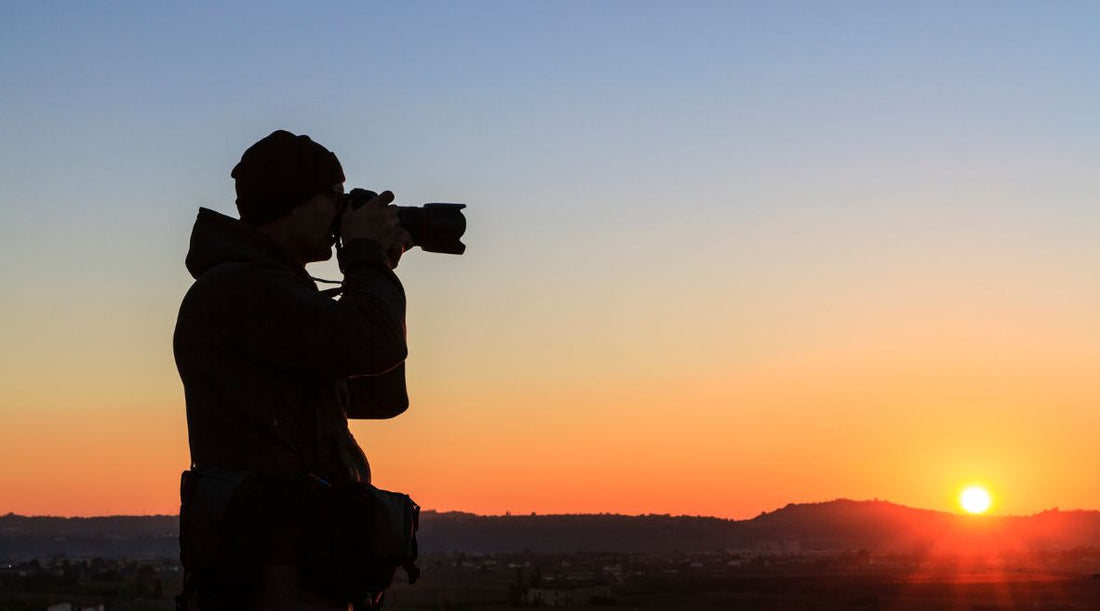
272 368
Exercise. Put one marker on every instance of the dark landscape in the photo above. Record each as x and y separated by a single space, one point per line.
836 555
834 526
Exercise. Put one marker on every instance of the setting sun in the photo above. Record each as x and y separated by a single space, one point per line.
975 499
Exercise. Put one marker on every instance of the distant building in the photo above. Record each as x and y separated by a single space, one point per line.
792 546
775 547
567 595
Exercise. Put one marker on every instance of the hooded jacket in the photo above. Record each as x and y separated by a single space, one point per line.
271 367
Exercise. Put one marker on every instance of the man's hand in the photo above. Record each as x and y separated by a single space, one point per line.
377 221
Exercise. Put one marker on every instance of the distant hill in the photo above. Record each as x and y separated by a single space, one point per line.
838 525
881 526
23 537
877 526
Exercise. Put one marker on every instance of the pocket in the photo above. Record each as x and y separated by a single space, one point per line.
395 519
359 536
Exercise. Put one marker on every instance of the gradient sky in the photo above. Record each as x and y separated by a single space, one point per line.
722 256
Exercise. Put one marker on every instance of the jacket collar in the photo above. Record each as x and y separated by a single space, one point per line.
217 238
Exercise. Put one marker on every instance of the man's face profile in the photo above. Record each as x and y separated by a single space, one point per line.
313 220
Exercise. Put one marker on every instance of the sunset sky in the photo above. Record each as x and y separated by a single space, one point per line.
721 256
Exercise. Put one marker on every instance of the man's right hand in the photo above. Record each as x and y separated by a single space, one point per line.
377 221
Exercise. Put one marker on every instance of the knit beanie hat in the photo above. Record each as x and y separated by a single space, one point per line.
280 172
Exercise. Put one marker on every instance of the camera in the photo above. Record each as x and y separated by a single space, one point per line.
434 227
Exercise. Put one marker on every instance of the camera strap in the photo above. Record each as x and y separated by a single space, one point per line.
335 291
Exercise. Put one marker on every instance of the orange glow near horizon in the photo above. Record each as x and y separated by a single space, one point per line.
731 443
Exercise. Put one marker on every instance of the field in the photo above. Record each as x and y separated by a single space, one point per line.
719 580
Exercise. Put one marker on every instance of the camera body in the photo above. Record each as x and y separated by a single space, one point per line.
434 227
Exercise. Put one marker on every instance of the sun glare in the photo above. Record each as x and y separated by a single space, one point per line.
975 499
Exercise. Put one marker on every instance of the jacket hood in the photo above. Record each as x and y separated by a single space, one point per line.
217 238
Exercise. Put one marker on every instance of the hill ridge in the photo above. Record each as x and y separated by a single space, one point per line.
827 526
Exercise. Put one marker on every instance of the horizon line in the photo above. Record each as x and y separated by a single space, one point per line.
509 514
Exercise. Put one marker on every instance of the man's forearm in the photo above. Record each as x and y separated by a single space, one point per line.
372 287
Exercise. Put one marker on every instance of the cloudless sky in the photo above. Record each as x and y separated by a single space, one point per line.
721 256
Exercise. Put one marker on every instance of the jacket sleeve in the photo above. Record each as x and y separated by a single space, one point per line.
276 316
378 397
